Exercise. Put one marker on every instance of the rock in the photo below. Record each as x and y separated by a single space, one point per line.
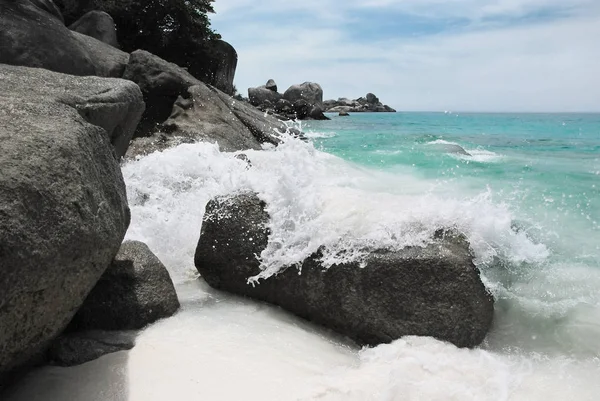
50 7
370 103
260 95
205 117
99 25
161 83
135 291
310 92
63 205
221 69
284 106
302 109
344 114
316 113
372 99
78 348
108 60
197 111
32 37
265 128
432 291
271 85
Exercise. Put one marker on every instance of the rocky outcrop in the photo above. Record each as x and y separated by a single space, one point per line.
204 116
198 112
220 72
63 206
369 103
310 92
261 95
161 83
33 37
134 291
99 25
299 102
432 291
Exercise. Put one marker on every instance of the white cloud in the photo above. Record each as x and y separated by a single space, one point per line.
547 66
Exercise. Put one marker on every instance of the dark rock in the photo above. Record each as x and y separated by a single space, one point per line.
265 128
99 25
316 113
221 69
284 106
108 60
370 103
135 291
310 92
432 291
302 109
344 114
260 95
50 7
32 37
372 99
243 157
204 116
161 83
63 205
271 85
78 348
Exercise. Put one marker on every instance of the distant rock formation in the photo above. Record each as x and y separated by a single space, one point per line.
299 102
369 103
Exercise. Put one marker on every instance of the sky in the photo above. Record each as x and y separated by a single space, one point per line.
423 55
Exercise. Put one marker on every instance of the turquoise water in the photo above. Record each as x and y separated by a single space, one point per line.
543 168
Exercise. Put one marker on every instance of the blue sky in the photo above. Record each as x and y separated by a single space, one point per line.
457 55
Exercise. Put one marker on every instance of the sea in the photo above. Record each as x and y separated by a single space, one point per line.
523 188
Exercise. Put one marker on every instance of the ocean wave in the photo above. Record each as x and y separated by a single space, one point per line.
318 135
458 151
314 199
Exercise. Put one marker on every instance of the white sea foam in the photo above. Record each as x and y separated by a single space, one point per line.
315 134
314 199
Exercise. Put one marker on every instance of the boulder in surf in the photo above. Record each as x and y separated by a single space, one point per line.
432 291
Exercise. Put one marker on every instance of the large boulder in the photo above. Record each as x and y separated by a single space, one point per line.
161 83
204 116
31 36
63 206
310 92
220 71
260 95
99 25
432 291
134 291
108 60
50 7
